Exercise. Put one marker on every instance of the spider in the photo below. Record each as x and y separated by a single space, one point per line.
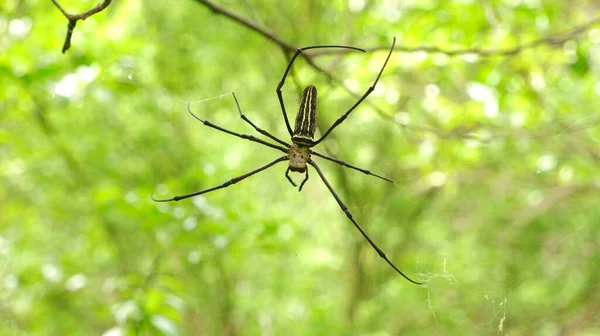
299 152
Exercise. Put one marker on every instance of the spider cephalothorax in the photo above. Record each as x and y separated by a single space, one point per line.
298 156
299 152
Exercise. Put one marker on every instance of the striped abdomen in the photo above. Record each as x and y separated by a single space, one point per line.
306 120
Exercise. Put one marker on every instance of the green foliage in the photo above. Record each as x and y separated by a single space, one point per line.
495 159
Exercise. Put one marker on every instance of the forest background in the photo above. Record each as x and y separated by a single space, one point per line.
486 117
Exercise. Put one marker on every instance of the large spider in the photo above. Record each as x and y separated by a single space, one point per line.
299 152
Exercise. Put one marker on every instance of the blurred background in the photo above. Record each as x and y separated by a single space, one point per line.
486 117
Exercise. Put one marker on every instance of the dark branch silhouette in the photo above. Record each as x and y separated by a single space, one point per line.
550 40
285 46
555 39
73 18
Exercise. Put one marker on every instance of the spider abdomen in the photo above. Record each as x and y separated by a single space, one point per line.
306 120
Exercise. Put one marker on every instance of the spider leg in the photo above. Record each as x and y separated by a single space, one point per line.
224 185
364 96
258 129
346 164
349 215
287 174
287 70
305 179
243 136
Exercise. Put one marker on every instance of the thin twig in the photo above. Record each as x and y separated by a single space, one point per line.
243 21
555 39
73 18
287 47
552 40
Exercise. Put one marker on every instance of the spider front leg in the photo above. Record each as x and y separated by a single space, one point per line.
364 96
287 70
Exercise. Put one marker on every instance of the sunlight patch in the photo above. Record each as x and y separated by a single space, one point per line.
535 197
66 86
594 35
427 149
164 324
11 281
194 257
179 212
352 84
440 59
546 162
379 90
470 58
432 91
126 311
392 96
484 94
537 81
110 285
402 118
296 309
565 174
74 83
162 237
76 282
285 232
220 242
209 169
114 331
322 256
437 179
232 159
365 154
189 223
356 5
51 273
517 119
131 197
19 27
202 204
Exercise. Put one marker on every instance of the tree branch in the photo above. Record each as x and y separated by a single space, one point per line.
548 40
73 18
286 46
244 22
551 40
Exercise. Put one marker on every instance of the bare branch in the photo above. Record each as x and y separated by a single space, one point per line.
243 21
551 40
555 39
285 46
73 18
